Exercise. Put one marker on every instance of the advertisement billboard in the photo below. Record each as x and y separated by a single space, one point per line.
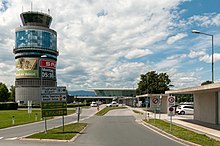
48 69
26 68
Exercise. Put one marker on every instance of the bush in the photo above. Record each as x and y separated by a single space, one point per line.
8 106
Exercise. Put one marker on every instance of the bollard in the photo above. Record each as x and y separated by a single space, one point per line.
13 120
35 116
148 116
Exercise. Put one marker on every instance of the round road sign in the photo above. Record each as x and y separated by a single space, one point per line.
155 100
171 99
171 109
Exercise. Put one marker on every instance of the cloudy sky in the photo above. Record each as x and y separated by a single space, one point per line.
109 43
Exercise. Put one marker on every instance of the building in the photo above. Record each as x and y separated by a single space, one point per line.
206 102
147 100
118 94
35 55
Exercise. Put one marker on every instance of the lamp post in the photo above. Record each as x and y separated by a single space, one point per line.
199 32
41 84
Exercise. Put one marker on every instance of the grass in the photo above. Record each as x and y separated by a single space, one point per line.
21 117
107 109
70 131
138 112
184 134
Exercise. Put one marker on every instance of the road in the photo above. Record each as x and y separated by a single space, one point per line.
117 128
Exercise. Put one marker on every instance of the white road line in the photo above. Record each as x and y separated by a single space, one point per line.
1 137
13 138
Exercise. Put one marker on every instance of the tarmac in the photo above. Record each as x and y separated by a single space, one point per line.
185 121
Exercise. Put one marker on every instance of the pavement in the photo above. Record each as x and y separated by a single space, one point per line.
185 121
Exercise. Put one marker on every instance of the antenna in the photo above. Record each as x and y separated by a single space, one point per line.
48 11
31 5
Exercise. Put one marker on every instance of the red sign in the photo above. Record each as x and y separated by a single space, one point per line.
48 64
171 99
155 100
171 109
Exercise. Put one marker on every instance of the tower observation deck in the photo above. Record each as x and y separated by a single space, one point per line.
35 56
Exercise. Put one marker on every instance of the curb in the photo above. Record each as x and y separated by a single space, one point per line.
167 135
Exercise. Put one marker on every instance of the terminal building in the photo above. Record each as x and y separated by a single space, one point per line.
106 95
35 56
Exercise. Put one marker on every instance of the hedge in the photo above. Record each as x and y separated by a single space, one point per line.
8 106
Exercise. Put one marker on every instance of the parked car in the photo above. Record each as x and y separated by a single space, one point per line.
185 109
112 104
93 104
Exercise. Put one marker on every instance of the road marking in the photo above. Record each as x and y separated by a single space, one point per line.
12 138
1 137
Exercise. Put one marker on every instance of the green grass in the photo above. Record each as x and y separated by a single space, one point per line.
138 112
21 117
107 109
57 133
184 133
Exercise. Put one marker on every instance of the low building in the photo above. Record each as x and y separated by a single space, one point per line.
206 102
147 100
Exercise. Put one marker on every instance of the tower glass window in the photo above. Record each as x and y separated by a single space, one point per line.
36 38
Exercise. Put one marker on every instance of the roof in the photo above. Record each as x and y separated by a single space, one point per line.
107 89
191 90
150 95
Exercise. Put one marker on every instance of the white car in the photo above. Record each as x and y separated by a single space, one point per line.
112 104
185 109
93 104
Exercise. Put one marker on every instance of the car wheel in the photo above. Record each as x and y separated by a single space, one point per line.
182 113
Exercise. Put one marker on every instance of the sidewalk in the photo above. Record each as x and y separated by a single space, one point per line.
185 121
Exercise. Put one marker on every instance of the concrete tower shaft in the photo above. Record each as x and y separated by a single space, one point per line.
35 55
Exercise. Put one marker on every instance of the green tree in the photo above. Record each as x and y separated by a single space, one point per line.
153 83
12 94
4 95
206 82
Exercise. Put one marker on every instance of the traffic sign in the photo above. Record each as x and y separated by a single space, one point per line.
53 90
170 104
155 100
171 99
171 109
53 101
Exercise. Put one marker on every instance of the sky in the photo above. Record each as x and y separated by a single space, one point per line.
109 43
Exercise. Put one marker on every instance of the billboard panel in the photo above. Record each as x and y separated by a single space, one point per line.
26 68
48 69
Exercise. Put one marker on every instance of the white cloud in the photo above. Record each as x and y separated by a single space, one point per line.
137 53
92 48
175 38
194 54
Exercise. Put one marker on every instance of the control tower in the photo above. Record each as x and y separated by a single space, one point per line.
35 56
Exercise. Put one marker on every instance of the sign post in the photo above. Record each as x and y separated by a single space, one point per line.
53 102
155 101
170 108
29 109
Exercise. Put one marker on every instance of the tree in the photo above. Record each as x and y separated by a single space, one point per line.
153 83
206 82
12 94
4 95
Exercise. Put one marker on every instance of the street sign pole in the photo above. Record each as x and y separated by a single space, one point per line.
45 124
170 123
63 123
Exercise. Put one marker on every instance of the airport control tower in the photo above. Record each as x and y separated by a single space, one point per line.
36 56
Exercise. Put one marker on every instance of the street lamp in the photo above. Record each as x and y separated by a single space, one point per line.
199 32
41 84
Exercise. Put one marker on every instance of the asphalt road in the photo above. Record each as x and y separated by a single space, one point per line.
117 128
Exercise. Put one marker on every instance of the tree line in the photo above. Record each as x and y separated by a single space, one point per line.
6 94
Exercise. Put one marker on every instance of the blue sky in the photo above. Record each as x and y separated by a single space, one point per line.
109 43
